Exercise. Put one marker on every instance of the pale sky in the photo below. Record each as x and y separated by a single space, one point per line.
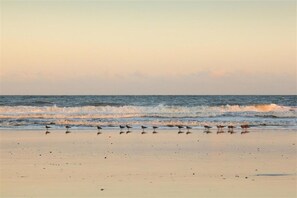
148 47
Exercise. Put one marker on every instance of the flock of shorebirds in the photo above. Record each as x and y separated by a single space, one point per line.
207 128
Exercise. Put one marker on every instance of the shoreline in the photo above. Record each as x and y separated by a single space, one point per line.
138 129
167 164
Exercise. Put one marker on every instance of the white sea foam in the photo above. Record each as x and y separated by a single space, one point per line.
101 112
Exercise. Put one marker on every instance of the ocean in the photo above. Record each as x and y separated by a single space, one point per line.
85 112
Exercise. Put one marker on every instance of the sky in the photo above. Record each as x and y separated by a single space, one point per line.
148 47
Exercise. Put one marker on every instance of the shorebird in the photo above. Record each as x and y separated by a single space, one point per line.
99 128
245 128
47 127
128 127
188 128
67 129
220 128
207 128
155 127
143 127
122 127
179 128
231 128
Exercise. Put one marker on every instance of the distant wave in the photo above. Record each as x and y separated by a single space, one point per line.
98 104
38 103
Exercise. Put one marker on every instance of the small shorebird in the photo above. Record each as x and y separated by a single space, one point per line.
155 127
245 128
179 129
99 128
231 128
188 128
143 127
220 128
128 127
122 127
47 129
207 128
67 129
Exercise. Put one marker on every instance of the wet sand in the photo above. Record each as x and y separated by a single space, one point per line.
167 164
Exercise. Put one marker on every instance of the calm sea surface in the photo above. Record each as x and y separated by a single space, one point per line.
34 112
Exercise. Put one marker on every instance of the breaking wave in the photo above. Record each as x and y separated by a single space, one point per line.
159 111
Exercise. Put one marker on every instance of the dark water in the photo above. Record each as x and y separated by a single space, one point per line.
87 111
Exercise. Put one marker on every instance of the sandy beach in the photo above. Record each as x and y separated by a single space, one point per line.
261 163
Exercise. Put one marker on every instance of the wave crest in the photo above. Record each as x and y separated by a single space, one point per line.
158 111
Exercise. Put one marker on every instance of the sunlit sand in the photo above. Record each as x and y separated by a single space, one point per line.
84 164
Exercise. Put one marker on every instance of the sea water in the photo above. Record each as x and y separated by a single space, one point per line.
84 112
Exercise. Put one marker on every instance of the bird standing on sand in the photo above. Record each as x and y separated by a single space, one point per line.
220 128
143 127
230 128
207 128
67 129
188 128
122 127
47 129
99 128
245 128
155 127
179 129
128 127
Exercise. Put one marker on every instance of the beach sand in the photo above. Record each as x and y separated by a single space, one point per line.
261 163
